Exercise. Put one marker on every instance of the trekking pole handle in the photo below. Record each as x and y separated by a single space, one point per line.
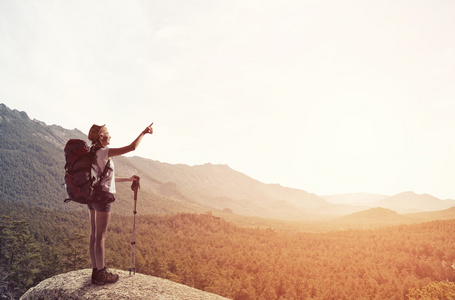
135 186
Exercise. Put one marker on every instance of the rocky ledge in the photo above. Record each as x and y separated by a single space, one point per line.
77 285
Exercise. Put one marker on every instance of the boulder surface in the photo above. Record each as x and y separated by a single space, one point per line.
77 285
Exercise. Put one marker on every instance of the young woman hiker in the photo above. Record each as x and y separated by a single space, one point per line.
100 212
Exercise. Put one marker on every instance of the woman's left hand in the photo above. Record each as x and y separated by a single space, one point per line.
134 177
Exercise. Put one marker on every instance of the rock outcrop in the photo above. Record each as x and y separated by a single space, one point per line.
77 285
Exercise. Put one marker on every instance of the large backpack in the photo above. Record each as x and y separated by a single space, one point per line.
80 180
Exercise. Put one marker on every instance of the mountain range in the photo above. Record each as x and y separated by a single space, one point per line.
32 160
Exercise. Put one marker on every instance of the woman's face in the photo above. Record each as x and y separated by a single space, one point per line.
105 138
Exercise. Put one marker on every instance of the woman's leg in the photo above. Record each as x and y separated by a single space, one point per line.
92 237
102 222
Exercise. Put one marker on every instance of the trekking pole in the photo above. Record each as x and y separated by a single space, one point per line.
134 186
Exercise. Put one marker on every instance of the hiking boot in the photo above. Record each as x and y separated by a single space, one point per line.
104 276
93 275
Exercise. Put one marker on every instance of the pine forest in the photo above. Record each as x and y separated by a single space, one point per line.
214 255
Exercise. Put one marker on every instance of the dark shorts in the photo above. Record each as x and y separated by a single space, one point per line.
106 207
104 201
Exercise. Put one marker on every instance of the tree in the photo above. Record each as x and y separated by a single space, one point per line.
20 259
443 290
75 251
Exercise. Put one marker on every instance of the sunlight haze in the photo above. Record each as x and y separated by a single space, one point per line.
326 96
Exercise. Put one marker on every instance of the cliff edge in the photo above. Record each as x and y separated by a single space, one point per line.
77 285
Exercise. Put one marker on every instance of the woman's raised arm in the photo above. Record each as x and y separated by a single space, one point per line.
133 146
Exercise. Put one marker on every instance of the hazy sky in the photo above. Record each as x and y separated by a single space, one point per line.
326 96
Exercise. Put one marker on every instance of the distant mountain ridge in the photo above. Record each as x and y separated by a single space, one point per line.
378 215
221 187
31 152
355 198
408 202
32 160
403 203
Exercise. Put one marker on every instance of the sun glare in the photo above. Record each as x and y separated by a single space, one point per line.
356 139
355 135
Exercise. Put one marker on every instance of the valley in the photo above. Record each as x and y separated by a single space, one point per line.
217 229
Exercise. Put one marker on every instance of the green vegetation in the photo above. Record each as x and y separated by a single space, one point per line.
31 166
444 290
32 169
211 254
22 261
217 251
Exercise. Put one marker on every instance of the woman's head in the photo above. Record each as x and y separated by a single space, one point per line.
99 134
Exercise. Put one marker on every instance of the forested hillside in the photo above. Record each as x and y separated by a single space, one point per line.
208 253
216 256
181 236
32 161
221 187
32 168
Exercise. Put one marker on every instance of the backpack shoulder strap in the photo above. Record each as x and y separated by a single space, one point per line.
106 168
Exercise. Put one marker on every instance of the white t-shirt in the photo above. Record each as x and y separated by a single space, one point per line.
101 159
